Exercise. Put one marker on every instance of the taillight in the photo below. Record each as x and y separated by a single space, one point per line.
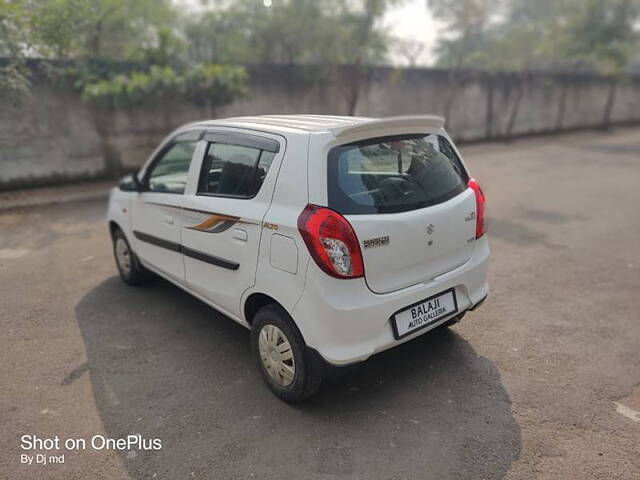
331 242
481 225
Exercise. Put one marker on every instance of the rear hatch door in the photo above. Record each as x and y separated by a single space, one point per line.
406 197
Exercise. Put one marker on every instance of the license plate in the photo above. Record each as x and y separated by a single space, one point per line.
424 313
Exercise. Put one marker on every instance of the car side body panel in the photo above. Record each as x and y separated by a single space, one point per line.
118 211
221 236
289 198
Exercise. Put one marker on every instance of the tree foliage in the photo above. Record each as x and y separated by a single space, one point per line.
228 31
290 32
14 75
115 29
582 35
96 34
210 84
571 35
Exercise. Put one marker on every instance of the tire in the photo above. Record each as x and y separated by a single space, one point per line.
273 327
131 270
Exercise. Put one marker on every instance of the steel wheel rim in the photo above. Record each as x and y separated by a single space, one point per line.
123 255
276 355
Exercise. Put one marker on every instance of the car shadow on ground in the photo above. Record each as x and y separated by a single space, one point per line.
164 365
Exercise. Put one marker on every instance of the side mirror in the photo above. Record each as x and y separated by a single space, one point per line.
130 183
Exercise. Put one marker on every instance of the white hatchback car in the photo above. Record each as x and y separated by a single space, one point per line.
331 238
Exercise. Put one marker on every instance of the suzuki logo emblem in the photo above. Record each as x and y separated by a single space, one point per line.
430 228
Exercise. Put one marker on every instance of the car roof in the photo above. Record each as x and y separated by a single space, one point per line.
338 125
288 123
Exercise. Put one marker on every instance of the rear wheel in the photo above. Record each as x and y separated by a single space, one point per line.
282 356
130 269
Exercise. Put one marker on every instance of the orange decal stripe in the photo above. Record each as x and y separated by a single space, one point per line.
214 220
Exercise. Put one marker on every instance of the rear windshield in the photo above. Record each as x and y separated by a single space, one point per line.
393 174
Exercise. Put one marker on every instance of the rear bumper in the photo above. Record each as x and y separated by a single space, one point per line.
476 305
345 322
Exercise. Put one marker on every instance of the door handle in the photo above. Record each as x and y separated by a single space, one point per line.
168 219
240 234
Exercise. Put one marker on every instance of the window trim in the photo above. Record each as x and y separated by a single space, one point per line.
165 148
238 139
243 140
334 192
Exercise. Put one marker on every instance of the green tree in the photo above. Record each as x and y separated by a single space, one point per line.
290 32
66 29
14 42
468 24
169 49
293 32
570 35
219 36
600 36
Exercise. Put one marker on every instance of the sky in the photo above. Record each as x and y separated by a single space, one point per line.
412 20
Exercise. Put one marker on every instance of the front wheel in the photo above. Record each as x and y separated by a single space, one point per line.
129 267
282 356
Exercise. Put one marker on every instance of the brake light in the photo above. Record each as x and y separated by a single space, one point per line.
481 224
331 242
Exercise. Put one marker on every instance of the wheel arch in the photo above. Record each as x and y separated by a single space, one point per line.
113 226
255 302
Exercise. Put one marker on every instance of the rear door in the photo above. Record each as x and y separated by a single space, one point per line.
222 218
406 197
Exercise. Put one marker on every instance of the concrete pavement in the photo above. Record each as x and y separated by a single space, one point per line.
39 197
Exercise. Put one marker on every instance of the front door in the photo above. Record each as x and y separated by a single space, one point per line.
222 217
156 212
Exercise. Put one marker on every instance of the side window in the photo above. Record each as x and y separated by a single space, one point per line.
169 173
234 170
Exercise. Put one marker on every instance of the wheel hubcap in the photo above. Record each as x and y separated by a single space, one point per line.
123 256
276 355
